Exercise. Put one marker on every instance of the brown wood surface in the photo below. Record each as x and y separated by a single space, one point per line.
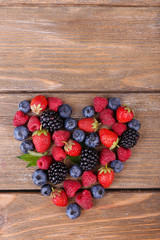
81 48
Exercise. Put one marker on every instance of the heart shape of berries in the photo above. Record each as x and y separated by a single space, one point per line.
74 159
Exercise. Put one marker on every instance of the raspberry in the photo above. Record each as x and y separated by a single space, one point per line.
84 199
71 187
88 178
106 117
34 124
60 137
100 103
54 103
58 153
123 154
106 156
20 118
44 162
119 128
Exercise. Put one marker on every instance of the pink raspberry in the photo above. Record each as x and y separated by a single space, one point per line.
58 153
84 199
71 187
54 103
44 162
100 103
123 154
88 178
119 128
106 156
60 136
20 118
106 117
34 124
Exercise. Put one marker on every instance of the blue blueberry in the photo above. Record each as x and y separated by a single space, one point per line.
75 171
39 177
70 124
114 103
134 124
46 190
73 211
92 140
65 110
88 111
24 106
78 135
116 165
97 191
21 133
26 146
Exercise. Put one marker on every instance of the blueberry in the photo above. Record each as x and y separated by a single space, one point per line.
39 177
92 140
75 171
78 135
97 191
116 165
73 211
21 133
114 103
65 110
26 146
70 124
88 111
46 190
24 106
134 124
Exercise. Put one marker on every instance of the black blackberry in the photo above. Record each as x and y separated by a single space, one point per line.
89 159
129 138
51 121
57 172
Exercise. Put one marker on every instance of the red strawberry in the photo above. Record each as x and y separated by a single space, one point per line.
20 118
59 197
119 128
44 162
124 114
34 124
105 176
60 137
54 103
108 138
71 187
100 103
88 178
84 199
88 124
106 156
123 154
106 117
58 153
38 104
41 140
72 148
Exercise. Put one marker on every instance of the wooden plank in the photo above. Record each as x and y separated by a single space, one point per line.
119 215
140 171
79 48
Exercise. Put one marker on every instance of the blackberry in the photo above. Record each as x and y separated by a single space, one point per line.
89 159
129 138
57 172
51 121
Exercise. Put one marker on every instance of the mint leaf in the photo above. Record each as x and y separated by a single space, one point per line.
75 160
31 159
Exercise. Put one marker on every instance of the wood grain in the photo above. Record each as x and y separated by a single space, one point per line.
140 171
119 215
79 48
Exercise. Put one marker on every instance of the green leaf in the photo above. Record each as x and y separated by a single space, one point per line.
75 160
31 159
37 154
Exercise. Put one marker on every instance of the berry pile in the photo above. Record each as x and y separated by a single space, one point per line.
49 128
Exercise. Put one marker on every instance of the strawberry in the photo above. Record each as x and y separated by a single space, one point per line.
105 176
124 114
41 140
59 197
72 148
84 199
71 187
20 119
108 138
38 104
100 103
88 124
88 178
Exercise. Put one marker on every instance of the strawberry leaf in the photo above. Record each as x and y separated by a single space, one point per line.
75 160
31 159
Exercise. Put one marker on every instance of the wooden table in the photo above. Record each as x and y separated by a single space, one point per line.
76 50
